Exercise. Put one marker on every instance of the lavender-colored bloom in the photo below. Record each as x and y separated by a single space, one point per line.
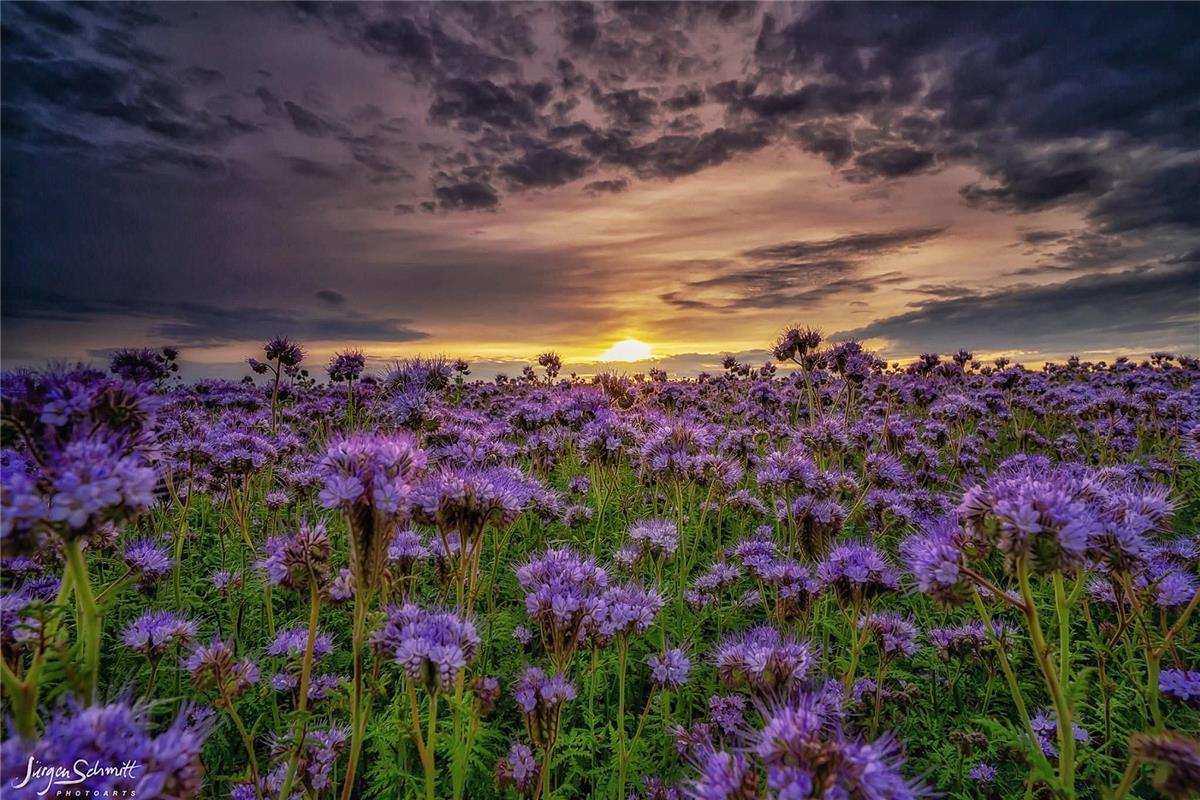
147 560
370 477
894 635
518 770
935 559
433 647
764 660
226 581
727 712
655 537
722 776
96 483
857 572
1045 727
540 699
213 666
292 643
564 594
669 670
487 694
295 559
626 610
110 735
982 773
1180 685
285 351
155 633
346 366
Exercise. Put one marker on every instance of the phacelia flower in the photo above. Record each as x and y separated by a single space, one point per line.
669 670
764 660
155 633
432 647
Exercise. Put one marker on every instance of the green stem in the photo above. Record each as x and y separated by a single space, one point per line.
90 622
1062 709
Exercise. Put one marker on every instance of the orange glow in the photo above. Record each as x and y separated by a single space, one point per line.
627 350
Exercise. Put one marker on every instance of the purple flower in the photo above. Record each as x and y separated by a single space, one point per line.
722 776
147 560
1180 685
982 773
213 666
155 633
857 572
432 647
894 635
292 643
518 770
1176 758
297 558
935 559
1045 727
285 351
655 537
111 735
564 594
540 700
346 366
669 670
370 477
727 712
626 609
763 660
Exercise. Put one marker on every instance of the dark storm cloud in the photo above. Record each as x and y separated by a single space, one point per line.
1032 184
613 186
545 166
201 324
800 273
1099 311
892 162
467 196
330 296
308 122
1166 197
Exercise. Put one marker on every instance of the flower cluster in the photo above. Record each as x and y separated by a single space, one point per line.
433 647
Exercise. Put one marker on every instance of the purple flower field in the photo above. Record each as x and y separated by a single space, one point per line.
822 577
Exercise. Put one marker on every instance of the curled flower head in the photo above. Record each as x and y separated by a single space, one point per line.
370 477
1176 762
518 770
857 572
764 660
657 538
155 633
935 558
564 594
894 635
346 366
669 670
540 699
433 647
213 666
111 735
295 559
147 561
284 350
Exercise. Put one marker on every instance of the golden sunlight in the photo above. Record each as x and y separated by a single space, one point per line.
627 350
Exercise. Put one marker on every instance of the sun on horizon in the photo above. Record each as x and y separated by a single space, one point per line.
627 350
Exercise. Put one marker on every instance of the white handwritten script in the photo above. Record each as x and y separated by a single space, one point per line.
44 777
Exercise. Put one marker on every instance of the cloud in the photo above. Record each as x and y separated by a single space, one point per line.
798 273
333 298
206 325
1125 310
611 186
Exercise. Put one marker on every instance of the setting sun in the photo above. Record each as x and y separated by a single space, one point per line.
627 350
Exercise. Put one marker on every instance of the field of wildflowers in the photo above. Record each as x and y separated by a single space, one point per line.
829 577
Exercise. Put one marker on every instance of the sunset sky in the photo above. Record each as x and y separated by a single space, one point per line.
492 181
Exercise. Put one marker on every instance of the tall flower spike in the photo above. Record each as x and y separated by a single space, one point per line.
370 477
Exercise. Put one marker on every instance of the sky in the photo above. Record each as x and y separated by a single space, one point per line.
492 181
